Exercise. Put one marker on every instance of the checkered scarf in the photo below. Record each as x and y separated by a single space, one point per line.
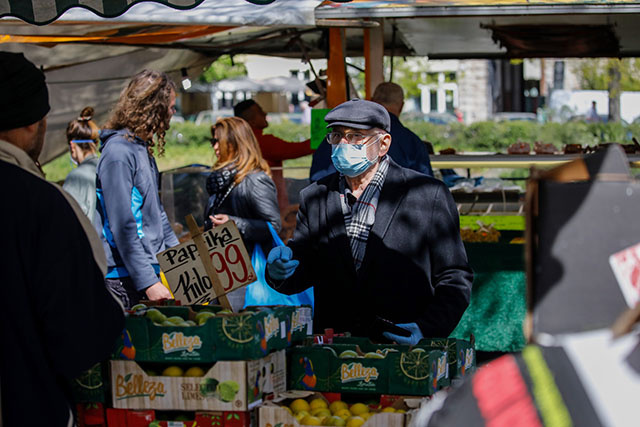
360 214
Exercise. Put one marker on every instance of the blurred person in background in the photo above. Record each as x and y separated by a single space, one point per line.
241 189
83 135
130 217
592 114
274 150
407 149
59 319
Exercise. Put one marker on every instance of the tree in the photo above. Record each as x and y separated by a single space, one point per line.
612 75
223 68
596 74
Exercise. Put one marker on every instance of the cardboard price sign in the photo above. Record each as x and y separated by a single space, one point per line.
626 267
230 266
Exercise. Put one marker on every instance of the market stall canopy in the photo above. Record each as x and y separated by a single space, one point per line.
88 59
461 29
41 12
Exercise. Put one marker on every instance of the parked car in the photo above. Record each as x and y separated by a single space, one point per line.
604 118
210 116
514 116
431 117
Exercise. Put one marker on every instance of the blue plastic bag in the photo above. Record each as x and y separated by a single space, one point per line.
260 293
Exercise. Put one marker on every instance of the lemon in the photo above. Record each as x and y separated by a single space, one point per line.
334 421
337 405
175 320
347 354
321 412
400 411
287 409
388 409
194 371
366 415
359 408
373 355
317 403
355 422
300 415
343 413
310 420
173 371
299 405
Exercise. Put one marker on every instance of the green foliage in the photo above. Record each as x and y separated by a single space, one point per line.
223 68
594 73
410 74
58 169
188 133
289 131
498 136
187 143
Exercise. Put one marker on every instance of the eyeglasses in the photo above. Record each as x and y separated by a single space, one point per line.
213 141
334 138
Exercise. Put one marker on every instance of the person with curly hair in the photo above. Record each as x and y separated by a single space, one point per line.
241 189
83 135
130 217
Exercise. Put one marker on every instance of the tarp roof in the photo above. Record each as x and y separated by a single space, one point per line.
88 59
443 29
41 12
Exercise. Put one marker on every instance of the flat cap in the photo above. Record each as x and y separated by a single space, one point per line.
359 114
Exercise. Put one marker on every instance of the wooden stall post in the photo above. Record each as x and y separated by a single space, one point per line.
336 73
373 58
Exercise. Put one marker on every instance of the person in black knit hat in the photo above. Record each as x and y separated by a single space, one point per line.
59 319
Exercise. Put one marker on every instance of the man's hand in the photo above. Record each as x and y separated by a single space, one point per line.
158 291
219 219
416 334
279 263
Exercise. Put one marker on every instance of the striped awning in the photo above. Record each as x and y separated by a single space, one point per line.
42 12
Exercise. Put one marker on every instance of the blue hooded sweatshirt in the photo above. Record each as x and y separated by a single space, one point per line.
130 217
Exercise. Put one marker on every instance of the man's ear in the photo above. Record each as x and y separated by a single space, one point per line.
385 143
32 128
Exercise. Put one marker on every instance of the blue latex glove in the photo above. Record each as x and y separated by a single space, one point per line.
279 263
416 334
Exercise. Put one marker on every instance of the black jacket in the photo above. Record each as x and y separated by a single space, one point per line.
250 204
415 267
58 318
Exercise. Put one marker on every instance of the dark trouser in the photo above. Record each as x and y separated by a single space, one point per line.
123 288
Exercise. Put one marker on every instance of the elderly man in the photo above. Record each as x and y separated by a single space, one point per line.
380 243
59 319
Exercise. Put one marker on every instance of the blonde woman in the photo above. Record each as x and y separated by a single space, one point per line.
241 189
83 135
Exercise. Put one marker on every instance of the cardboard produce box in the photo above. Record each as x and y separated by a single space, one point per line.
210 419
251 334
388 369
273 413
461 354
90 386
226 386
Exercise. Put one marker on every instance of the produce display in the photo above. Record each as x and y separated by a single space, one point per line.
317 410
210 333
357 365
207 366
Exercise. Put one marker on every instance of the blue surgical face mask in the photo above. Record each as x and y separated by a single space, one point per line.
351 159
